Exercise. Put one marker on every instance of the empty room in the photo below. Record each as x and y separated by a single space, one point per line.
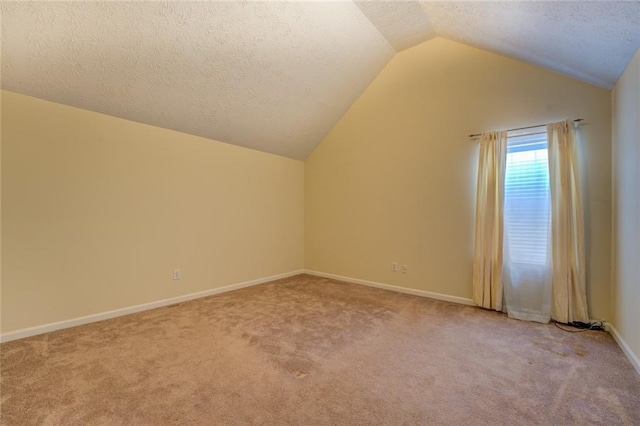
320 213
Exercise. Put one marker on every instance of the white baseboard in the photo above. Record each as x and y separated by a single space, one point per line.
422 293
47 328
633 358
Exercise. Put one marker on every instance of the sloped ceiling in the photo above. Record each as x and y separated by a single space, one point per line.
276 76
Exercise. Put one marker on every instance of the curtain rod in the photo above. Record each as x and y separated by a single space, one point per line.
524 128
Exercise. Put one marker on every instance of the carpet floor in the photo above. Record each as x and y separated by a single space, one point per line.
314 351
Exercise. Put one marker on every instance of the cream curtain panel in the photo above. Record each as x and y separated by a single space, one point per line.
569 299
487 257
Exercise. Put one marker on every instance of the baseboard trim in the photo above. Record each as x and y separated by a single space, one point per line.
60 325
415 292
626 349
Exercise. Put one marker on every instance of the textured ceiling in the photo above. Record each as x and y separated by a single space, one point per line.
589 40
276 76
403 24
270 76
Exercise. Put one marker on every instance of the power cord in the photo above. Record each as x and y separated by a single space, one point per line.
583 326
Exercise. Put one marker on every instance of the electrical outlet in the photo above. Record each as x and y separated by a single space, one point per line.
405 269
394 266
177 274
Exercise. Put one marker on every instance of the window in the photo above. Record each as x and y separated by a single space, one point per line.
527 198
527 219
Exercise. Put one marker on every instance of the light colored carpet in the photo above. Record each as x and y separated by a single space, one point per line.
313 351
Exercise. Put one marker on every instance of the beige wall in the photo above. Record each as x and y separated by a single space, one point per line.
97 211
395 179
626 205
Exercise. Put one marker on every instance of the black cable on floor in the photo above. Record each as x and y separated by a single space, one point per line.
570 331
582 326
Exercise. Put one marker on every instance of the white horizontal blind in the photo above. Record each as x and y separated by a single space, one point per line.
527 200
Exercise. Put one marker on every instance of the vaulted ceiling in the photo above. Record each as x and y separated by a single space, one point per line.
276 76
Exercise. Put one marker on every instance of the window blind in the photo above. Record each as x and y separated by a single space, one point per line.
527 200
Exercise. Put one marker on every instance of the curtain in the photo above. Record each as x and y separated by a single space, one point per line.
487 255
569 300
526 256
